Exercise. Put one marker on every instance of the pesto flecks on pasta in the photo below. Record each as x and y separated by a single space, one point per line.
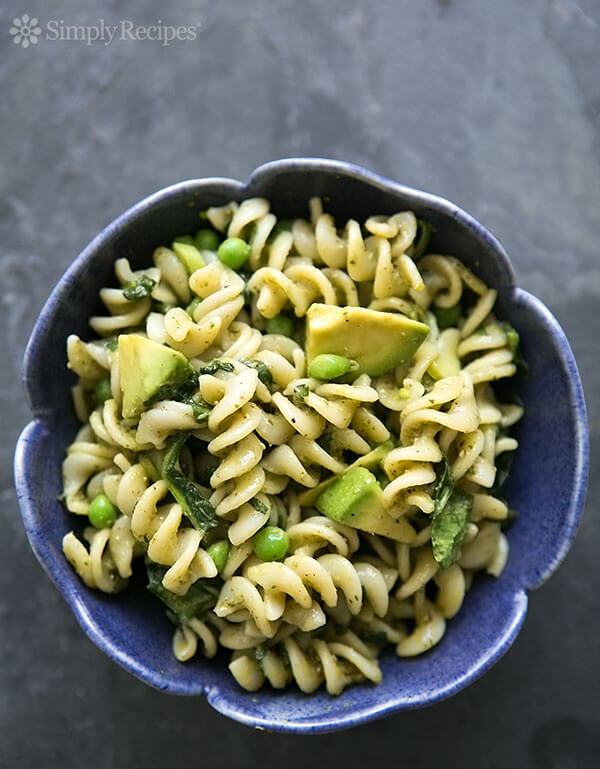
293 429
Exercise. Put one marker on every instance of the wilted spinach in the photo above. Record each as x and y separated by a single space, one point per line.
197 509
216 365
140 289
450 518
264 373
200 598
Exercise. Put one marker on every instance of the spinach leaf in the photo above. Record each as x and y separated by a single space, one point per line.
503 465
259 506
448 528
198 510
200 409
378 637
215 365
300 393
513 341
264 373
331 442
200 598
140 289
184 392
451 515
424 232
170 391
205 465
443 487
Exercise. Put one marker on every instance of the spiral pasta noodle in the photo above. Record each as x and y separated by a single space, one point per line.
301 507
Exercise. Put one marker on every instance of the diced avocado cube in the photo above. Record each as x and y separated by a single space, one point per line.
446 363
355 499
144 367
352 493
189 255
376 456
377 341
372 461
443 365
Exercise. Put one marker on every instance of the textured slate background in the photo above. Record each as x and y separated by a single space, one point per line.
494 105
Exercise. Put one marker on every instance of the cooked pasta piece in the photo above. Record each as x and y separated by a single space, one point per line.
303 518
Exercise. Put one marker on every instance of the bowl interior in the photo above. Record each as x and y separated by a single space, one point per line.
133 628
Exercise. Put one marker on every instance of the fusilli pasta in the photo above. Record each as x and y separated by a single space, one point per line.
302 520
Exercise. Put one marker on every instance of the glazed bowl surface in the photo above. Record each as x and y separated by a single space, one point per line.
546 486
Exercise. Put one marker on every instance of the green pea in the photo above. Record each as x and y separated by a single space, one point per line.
219 552
280 324
102 512
447 316
102 390
271 543
233 252
329 366
207 239
193 306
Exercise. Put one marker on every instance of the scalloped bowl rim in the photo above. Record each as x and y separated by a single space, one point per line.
77 602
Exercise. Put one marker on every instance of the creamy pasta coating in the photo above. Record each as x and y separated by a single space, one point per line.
293 429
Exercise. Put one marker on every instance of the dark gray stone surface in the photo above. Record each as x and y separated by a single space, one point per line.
494 105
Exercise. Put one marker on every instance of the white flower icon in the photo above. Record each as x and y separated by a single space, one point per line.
25 31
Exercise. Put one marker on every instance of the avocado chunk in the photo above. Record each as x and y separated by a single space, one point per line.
377 341
355 499
372 461
144 367
188 255
446 363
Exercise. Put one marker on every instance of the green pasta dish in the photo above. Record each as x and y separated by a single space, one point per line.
292 430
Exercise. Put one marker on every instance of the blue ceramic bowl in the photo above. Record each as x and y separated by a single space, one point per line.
547 485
